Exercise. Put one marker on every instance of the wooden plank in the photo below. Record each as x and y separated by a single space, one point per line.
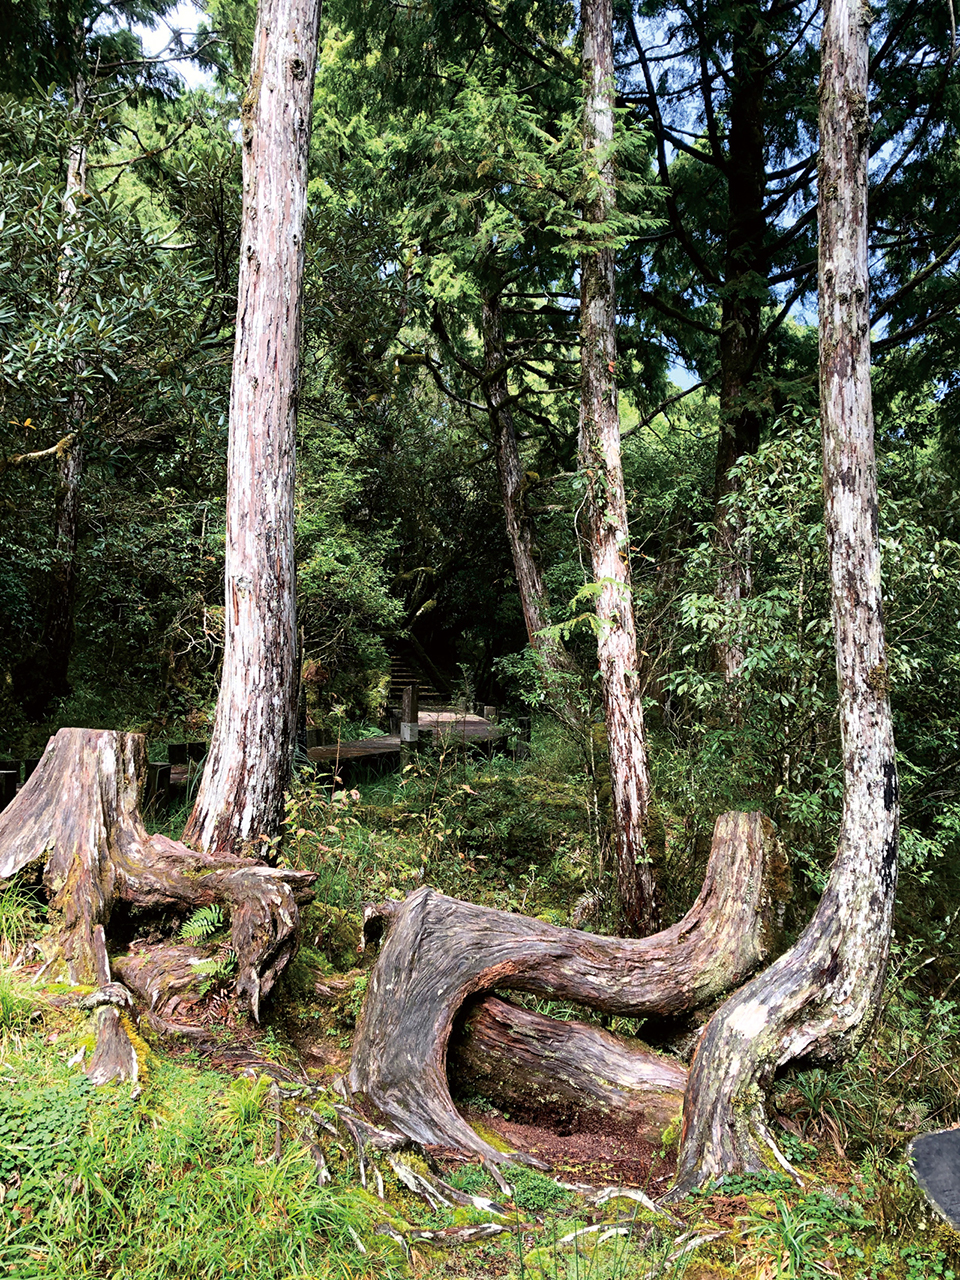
449 726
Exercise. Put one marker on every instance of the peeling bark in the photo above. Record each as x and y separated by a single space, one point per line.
248 765
606 508
78 818
439 952
817 1002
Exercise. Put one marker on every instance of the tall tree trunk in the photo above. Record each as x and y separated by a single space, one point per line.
818 1000
534 599
49 679
248 766
740 322
607 521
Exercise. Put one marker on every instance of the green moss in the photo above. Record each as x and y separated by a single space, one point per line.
534 1191
495 1140
670 1137
334 934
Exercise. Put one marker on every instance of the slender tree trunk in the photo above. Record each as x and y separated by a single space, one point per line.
248 766
534 599
818 1000
533 593
740 322
607 521
49 679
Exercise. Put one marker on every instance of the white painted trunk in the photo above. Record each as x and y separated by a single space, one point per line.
818 1001
247 769
608 527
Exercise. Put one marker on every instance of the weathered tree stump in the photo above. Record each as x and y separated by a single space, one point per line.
531 1063
78 818
439 952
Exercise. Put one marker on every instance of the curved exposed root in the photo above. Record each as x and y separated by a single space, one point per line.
439 952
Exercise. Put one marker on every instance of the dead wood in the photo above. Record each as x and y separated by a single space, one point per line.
78 818
115 1056
439 952
530 1063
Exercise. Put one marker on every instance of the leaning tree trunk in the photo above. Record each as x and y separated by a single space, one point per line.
607 521
440 952
78 818
534 600
241 793
817 1001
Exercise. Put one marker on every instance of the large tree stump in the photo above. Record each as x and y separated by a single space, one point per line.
439 952
78 818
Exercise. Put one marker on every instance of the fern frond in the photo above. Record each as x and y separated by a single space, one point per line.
204 922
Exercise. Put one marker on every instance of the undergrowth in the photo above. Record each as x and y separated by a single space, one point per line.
183 1180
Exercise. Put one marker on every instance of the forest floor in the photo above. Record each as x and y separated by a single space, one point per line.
212 1164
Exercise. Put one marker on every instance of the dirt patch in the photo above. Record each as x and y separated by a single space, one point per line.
601 1151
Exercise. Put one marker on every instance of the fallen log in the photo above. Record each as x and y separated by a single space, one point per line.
439 952
530 1063
78 819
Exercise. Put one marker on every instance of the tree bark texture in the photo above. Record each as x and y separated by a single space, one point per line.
248 765
817 1001
439 952
532 1064
77 817
606 508
745 291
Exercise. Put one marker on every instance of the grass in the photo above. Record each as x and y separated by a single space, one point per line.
20 911
181 1180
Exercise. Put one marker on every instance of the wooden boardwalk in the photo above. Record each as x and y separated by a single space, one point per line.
449 727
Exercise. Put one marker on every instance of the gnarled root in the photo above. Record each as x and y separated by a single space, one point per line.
78 817
439 952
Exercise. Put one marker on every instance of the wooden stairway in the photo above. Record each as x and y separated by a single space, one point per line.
403 674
